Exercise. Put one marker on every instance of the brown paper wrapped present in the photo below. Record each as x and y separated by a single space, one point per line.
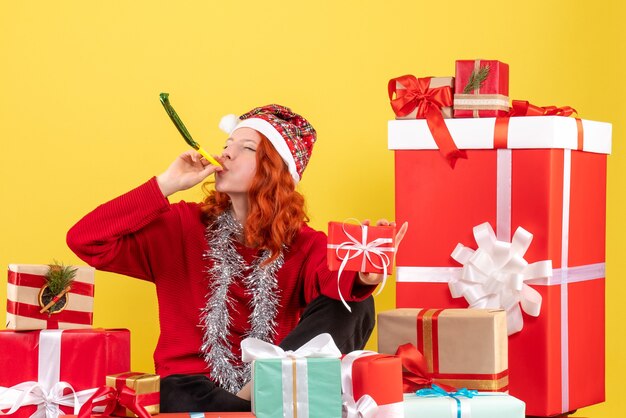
435 82
461 347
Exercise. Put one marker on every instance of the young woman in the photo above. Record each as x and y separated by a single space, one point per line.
241 263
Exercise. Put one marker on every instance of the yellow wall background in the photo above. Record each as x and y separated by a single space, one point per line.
81 121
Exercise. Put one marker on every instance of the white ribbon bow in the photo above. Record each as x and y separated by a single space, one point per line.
494 275
319 346
47 393
369 250
366 406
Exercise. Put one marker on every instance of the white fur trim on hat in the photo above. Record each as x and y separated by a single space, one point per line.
277 140
228 123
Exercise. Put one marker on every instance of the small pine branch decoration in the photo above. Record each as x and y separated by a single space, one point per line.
476 79
59 277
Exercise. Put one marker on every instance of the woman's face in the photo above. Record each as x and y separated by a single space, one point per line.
239 161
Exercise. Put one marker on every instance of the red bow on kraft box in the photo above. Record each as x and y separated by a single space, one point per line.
364 248
416 375
126 395
429 102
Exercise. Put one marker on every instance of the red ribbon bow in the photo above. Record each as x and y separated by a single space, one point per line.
525 108
111 398
416 375
428 102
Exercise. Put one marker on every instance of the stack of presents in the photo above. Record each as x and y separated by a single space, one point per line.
499 294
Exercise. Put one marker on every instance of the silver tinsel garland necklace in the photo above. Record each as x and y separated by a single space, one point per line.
261 284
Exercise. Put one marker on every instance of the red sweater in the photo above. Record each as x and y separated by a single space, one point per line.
140 234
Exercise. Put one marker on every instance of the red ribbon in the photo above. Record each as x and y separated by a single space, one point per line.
416 375
112 398
52 320
525 108
428 102
34 280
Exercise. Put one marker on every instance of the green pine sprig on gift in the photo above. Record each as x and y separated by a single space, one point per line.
476 79
59 277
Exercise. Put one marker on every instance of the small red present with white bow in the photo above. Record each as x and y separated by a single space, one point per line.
360 247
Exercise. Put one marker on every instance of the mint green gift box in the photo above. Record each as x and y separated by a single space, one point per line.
483 405
317 390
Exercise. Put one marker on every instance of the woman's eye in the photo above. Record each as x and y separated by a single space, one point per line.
250 148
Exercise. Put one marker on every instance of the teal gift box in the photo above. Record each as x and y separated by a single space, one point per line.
481 405
291 384
284 387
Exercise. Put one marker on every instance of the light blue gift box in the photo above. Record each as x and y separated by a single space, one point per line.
482 405
315 383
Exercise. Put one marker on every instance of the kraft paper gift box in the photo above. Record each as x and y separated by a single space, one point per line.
490 98
371 385
305 382
426 404
25 287
46 363
463 348
547 175
407 85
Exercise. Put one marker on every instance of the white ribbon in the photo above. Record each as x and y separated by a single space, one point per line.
47 392
369 250
495 275
366 406
321 346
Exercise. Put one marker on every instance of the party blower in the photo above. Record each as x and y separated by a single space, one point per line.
183 131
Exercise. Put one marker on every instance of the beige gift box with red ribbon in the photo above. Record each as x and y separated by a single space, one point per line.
26 284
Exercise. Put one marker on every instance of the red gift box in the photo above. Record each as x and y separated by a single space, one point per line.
360 247
26 283
372 382
52 362
543 184
491 98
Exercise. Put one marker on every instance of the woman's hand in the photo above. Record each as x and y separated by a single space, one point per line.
376 278
189 169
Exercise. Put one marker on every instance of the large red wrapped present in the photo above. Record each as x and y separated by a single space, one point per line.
51 372
26 296
371 385
481 89
547 175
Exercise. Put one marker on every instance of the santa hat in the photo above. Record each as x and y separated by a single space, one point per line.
290 134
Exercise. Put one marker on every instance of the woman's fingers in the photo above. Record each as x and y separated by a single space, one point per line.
401 233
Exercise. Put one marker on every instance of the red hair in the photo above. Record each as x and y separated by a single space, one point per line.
276 210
